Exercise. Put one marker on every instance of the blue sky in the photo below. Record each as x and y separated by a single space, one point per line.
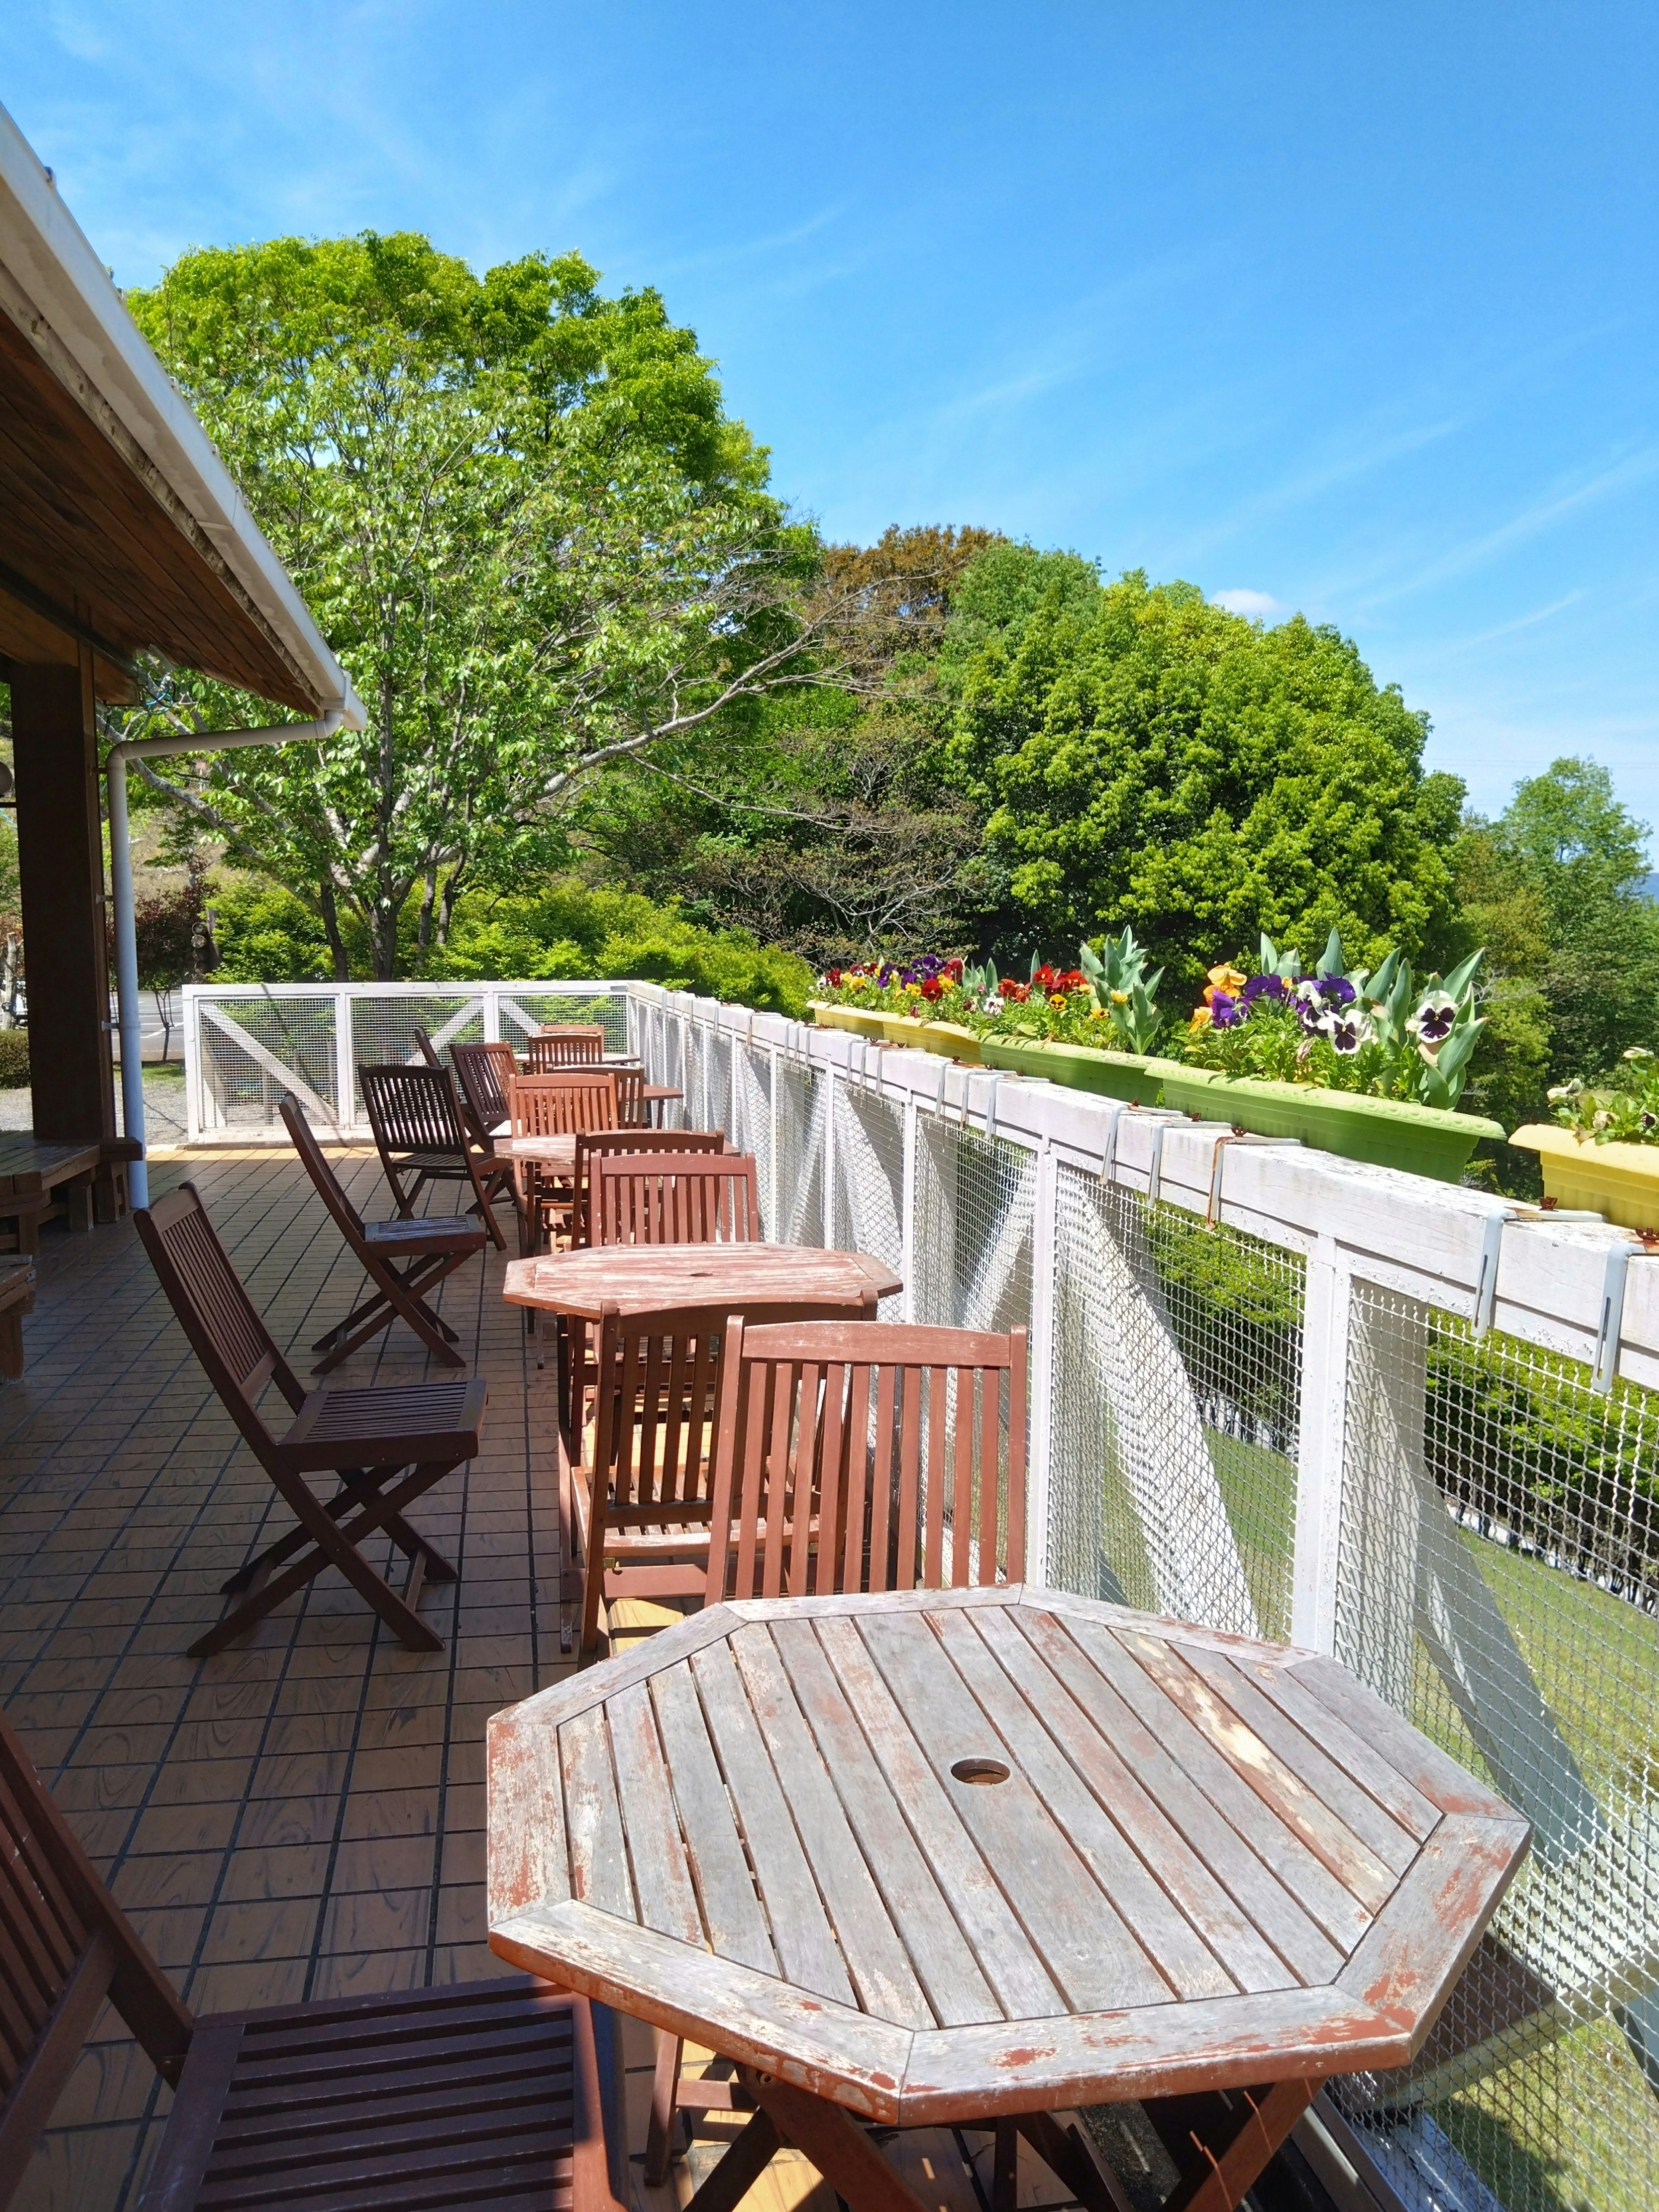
1349 308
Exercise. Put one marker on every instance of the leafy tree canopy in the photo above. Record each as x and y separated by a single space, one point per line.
1144 758
526 525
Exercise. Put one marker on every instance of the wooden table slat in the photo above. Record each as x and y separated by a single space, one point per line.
1422 1764
1253 1885
637 1279
725 1890
1170 1862
1400 1798
1330 1839
1333 1909
945 1963
1356 1808
872 1950
1006 1955
1163 1931
1410 1960
801 1934
662 1880
599 1860
1068 1916
528 1854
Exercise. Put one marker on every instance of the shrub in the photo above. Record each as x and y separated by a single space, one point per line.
14 1058
266 935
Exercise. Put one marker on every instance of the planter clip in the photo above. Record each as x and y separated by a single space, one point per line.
1612 1316
1234 1136
1108 1149
1486 1290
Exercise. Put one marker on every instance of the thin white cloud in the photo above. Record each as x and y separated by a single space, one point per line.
1258 607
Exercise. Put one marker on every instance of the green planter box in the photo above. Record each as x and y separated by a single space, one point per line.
1081 1067
1388 1133
1619 1181
848 1018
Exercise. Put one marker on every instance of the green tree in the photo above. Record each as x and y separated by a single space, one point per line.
524 524
1144 758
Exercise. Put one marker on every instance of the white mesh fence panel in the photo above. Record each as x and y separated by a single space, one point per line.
253 1051
868 1179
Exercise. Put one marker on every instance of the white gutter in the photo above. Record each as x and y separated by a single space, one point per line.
62 300
120 855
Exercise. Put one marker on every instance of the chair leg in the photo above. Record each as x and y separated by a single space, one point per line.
358 1486
334 1543
664 2086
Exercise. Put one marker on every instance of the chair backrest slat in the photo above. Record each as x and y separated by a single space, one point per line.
573 1044
862 1455
414 1109
563 1104
685 1199
316 1162
485 1071
214 1312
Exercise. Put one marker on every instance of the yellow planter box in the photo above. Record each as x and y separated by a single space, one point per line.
848 1017
949 1039
1619 1181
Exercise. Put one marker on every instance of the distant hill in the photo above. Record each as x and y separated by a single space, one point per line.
1649 885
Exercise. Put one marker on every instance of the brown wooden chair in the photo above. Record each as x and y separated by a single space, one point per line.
564 1044
429 1248
422 1138
566 1103
687 1199
427 1050
485 1071
497 2092
385 1446
591 1143
643 1496
889 1440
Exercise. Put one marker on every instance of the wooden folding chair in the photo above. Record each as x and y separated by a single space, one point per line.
430 1247
499 2092
643 1496
485 1071
422 1138
593 1144
685 1199
565 1103
564 1044
890 1440
385 1446
427 1050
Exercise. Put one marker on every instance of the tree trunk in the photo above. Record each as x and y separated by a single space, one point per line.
446 904
331 926
423 932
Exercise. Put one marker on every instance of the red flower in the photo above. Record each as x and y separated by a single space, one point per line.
1045 976
1073 980
833 979
932 988
954 970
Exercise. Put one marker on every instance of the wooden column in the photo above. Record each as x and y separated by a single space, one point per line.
61 860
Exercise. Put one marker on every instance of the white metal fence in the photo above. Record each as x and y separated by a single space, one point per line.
1406 1424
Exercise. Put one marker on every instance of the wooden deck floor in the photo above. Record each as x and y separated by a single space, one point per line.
302 1816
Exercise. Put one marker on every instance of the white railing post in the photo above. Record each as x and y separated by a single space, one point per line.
492 1014
907 1207
829 1159
1327 1311
345 1069
192 1065
1040 1457
772 1213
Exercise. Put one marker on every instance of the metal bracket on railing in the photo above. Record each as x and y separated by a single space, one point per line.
1155 1173
1212 1211
1108 1149
1612 1315
1492 1246
990 1102
945 1067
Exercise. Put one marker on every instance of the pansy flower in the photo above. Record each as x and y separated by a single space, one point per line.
1226 1012
1346 1031
1265 987
1431 1025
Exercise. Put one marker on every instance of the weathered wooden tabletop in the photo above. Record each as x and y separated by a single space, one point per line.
31 1163
943 1856
640 1278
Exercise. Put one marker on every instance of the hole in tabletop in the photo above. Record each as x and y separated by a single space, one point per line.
981 1771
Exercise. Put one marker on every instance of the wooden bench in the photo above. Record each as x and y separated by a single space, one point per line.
16 1299
44 1180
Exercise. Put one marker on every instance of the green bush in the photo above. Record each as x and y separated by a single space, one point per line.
569 931
266 935
14 1058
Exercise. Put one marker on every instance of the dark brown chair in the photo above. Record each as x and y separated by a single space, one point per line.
561 1104
493 2093
385 1446
427 1050
566 1044
688 1198
485 1071
643 1499
888 1441
430 1247
421 1137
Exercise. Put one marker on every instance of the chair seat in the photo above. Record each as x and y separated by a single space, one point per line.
426 1233
483 2094
392 1426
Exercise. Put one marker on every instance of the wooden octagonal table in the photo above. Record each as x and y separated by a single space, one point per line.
638 1277
973 1858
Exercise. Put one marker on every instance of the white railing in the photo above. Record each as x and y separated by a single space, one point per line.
1398 1421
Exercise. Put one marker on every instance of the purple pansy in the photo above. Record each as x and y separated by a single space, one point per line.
1226 1011
1265 987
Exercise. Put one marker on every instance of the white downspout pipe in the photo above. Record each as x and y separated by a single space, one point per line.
120 855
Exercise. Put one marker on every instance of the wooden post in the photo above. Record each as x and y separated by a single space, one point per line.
61 860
